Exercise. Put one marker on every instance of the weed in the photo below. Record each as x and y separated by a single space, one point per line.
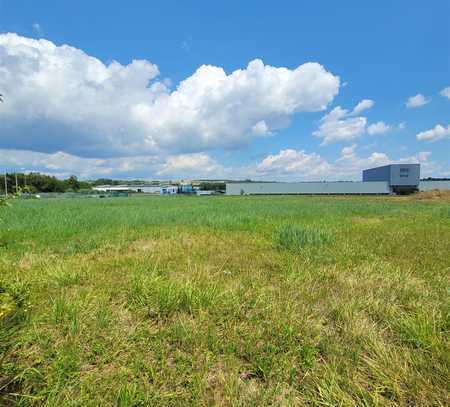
295 238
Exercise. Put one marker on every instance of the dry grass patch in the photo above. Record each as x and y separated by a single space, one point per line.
366 221
437 195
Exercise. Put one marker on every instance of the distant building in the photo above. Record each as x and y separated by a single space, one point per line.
149 189
204 193
430 185
388 179
307 188
169 190
186 189
402 178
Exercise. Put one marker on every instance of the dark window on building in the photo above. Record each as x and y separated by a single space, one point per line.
404 172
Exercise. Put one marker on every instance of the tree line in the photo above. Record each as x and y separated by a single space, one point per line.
36 182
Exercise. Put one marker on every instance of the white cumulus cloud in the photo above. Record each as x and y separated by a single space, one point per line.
378 128
288 165
445 92
363 105
417 101
439 132
195 165
341 125
62 164
58 98
299 165
287 162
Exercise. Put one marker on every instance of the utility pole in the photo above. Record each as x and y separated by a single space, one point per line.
6 187
17 185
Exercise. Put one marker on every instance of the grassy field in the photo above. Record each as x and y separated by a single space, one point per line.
234 301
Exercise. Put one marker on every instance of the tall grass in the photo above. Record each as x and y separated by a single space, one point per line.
161 297
225 301
295 238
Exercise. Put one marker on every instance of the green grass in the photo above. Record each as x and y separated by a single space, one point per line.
233 301
297 238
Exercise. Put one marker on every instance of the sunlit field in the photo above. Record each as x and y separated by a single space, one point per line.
233 301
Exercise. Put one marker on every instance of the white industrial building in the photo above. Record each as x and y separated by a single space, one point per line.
307 188
149 189
430 185
388 179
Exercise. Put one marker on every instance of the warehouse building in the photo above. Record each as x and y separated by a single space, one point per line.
148 189
388 179
307 188
431 185
186 189
402 178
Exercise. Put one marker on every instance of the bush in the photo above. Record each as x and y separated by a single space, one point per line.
295 238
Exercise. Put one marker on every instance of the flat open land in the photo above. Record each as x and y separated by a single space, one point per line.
233 301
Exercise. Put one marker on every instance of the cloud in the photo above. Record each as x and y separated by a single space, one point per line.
439 132
341 125
288 162
286 165
363 105
197 165
417 101
62 164
260 129
445 92
350 166
298 165
348 151
58 98
378 128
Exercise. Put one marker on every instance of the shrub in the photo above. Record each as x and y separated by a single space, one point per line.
295 238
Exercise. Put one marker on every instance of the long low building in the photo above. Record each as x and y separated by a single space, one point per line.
388 179
431 185
149 189
307 188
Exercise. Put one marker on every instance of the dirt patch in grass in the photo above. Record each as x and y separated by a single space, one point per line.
27 261
144 245
366 221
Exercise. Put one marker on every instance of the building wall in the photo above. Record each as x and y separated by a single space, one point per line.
319 188
395 174
405 174
112 188
377 174
147 189
135 188
431 185
169 190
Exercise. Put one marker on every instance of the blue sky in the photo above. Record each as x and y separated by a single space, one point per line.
268 123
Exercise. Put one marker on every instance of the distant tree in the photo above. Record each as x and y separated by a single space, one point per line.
212 186
105 181
72 183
